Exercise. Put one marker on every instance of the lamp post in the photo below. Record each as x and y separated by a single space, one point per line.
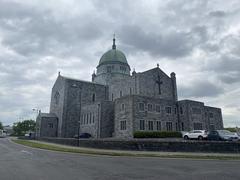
79 88
79 130
37 125
36 110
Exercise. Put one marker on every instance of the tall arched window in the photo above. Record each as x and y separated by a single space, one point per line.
93 97
56 97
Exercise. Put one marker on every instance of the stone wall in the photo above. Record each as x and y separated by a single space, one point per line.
48 127
132 114
57 103
153 115
107 119
72 95
97 119
120 85
90 115
123 112
152 145
147 84
80 93
194 113
215 120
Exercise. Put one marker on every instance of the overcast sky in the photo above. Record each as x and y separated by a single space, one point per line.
198 39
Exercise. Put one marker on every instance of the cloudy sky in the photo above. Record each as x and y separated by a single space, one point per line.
199 40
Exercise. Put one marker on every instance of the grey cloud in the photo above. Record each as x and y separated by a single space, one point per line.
224 64
200 89
168 30
218 14
31 31
172 44
230 78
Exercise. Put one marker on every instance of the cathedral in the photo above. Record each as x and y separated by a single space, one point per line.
118 102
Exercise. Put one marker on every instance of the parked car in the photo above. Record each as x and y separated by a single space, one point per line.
222 135
196 134
83 135
2 133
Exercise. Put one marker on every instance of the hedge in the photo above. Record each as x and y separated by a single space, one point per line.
156 134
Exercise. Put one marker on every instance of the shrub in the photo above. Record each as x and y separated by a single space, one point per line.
156 134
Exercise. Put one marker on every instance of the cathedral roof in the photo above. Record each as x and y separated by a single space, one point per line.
113 56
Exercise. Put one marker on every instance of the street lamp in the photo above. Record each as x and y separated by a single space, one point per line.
36 110
79 130
38 124
79 88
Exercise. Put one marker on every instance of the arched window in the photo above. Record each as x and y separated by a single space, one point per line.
56 97
93 97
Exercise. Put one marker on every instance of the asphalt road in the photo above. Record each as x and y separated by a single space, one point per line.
22 163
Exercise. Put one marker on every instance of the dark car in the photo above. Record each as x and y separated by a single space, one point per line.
83 135
222 135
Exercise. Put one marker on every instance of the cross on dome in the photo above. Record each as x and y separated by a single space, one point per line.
114 45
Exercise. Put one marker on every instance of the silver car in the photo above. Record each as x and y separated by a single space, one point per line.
223 135
196 134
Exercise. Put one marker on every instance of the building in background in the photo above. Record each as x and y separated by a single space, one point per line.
8 129
117 103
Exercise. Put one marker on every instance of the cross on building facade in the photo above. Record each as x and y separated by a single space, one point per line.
159 82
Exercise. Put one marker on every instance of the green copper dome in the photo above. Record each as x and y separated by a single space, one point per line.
113 56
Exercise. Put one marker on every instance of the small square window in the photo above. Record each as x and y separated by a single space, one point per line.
142 125
159 125
211 115
150 125
141 106
168 110
169 126
109 69
181 110
123 125
122 107
158 108
50 125
150 107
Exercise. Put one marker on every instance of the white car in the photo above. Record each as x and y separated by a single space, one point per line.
196 134
2 133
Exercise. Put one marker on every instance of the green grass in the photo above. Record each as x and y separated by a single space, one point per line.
54 147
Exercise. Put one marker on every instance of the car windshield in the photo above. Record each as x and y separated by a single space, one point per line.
225 132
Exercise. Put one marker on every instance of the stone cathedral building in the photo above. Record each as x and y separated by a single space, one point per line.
117 103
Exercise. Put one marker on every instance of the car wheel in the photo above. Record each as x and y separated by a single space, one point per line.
186 137
200 138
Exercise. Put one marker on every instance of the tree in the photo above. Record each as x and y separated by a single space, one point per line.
1 125
20 128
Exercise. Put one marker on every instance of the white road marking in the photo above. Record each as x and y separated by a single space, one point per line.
26 152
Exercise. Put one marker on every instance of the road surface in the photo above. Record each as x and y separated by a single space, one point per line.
18 162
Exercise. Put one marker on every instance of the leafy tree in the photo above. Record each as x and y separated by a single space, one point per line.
231 129
20 128
1 125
